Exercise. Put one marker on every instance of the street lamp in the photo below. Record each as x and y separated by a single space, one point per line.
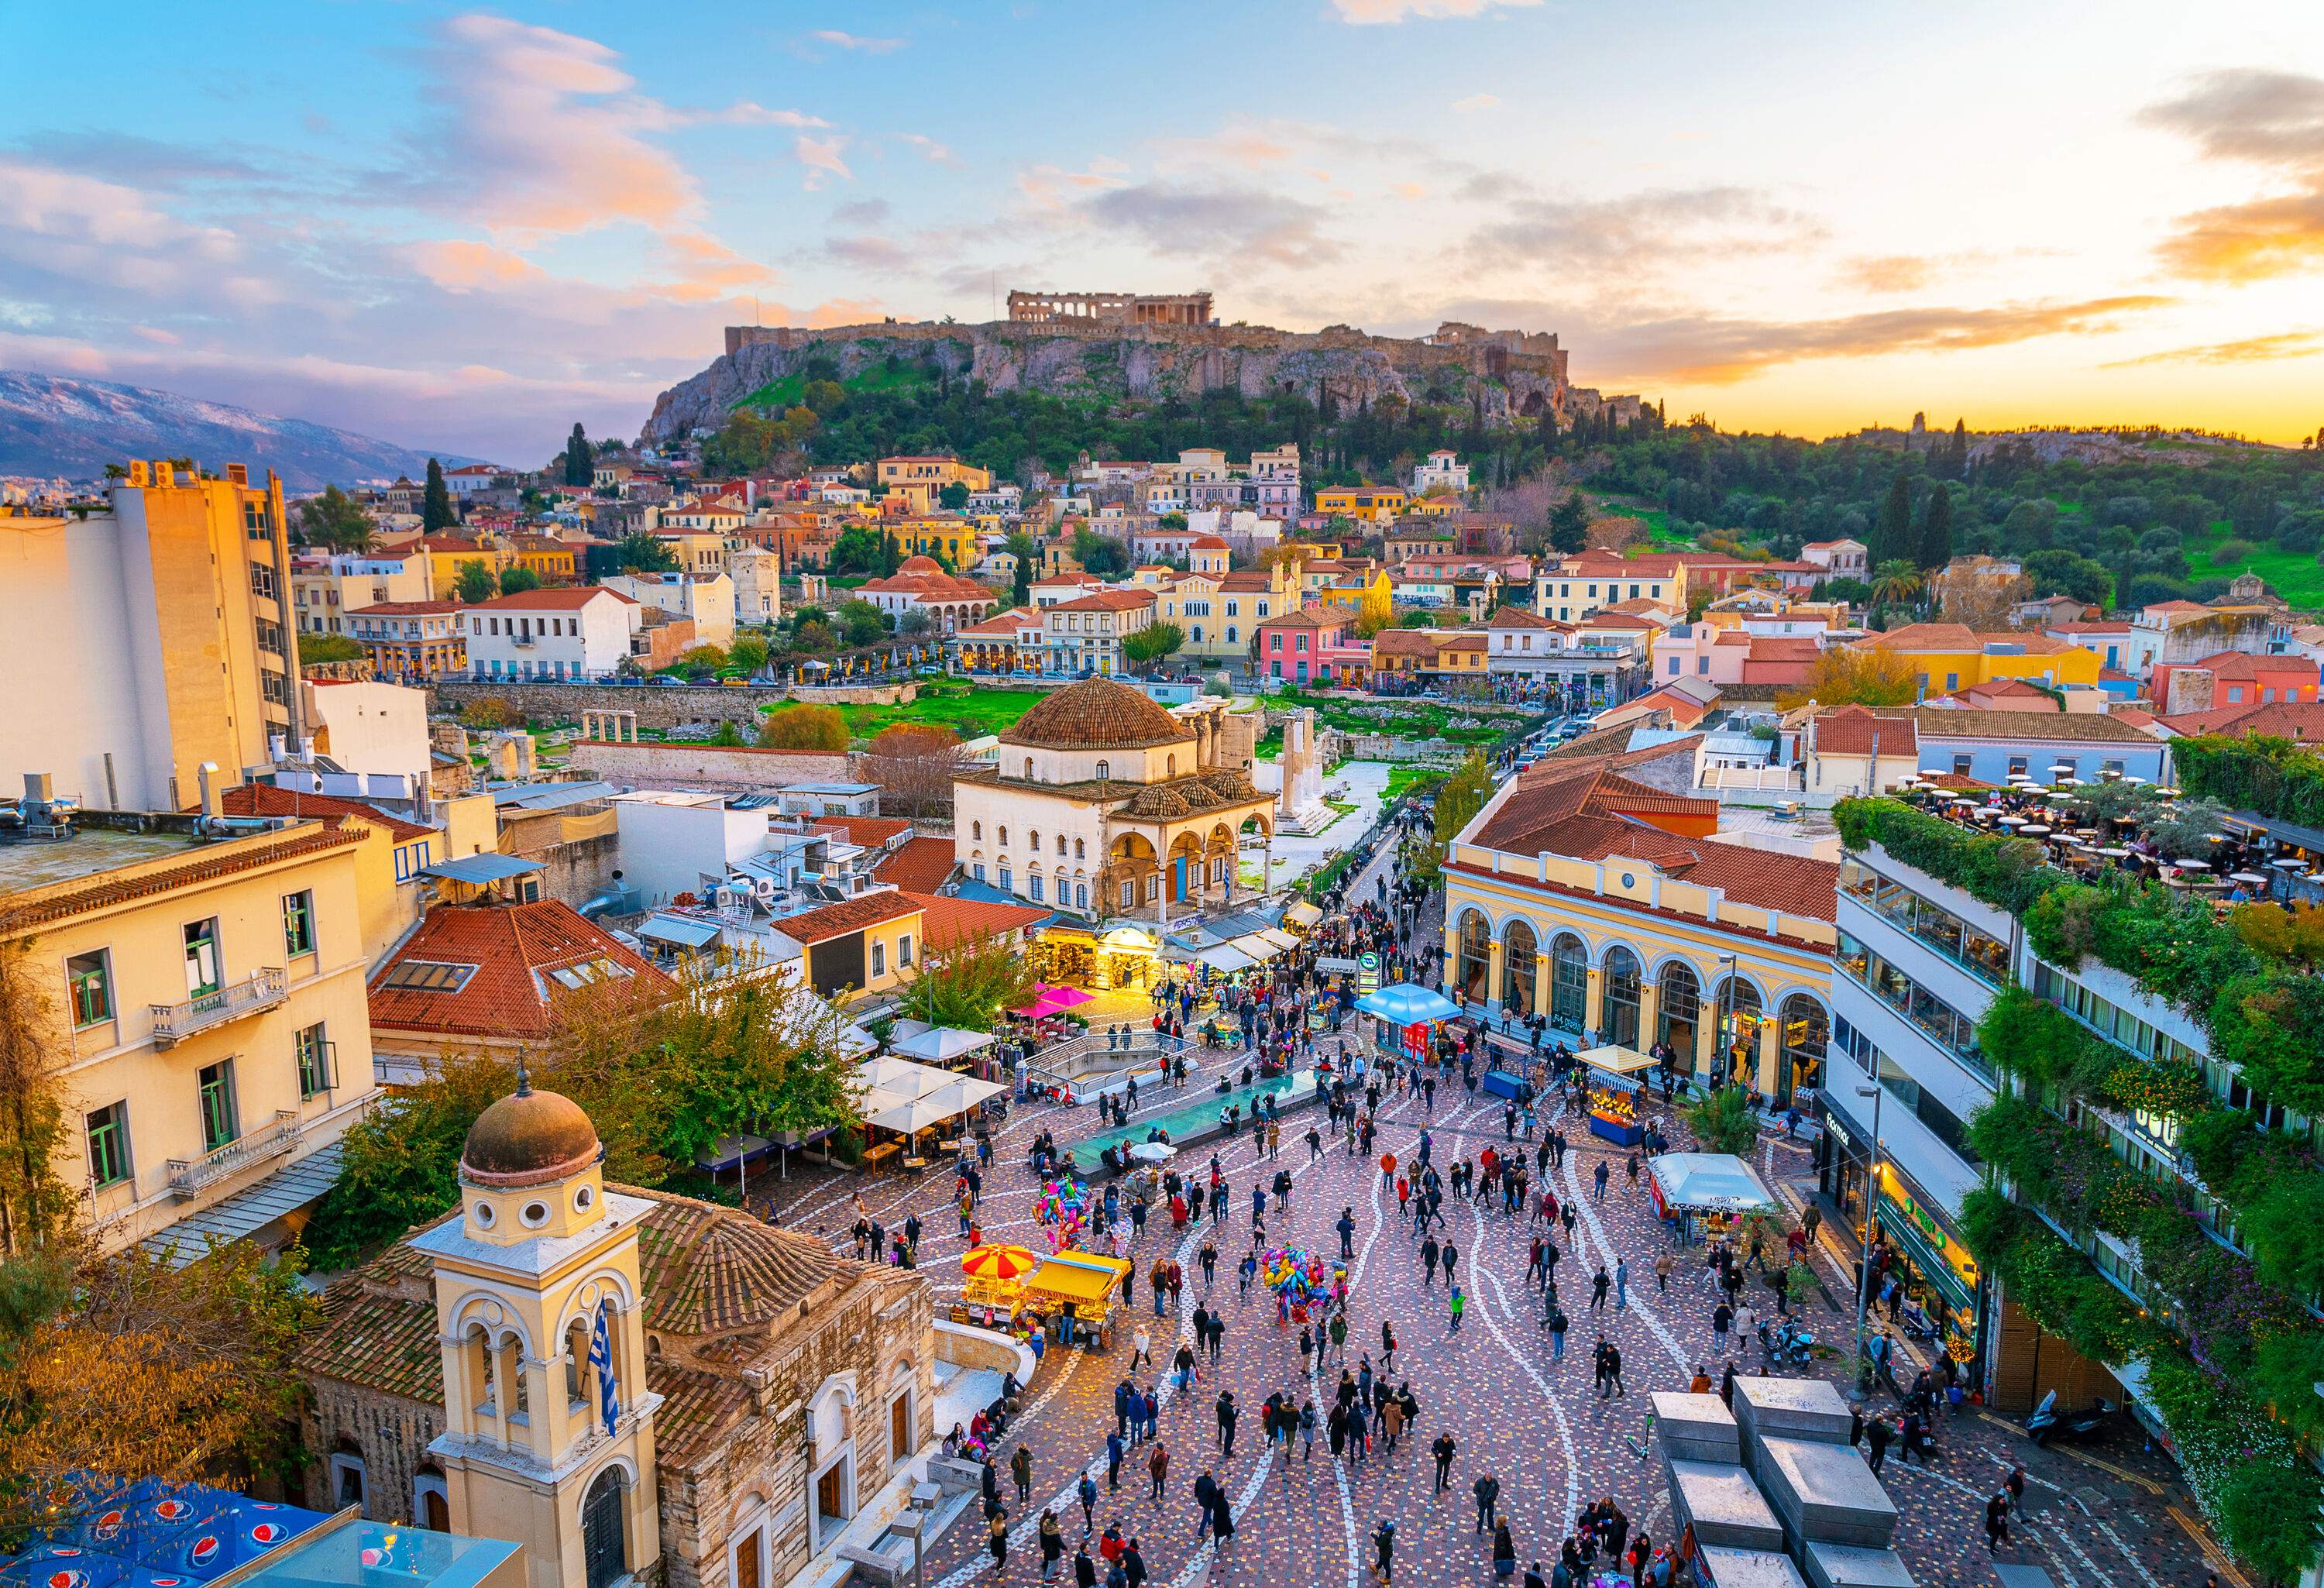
1863 1391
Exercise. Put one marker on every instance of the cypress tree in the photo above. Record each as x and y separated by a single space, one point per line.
580 459
436 506
1937 529
1892 536
1960 459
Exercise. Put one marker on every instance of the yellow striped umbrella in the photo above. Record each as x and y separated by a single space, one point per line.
997 1263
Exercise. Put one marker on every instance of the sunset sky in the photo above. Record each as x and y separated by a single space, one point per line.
464 229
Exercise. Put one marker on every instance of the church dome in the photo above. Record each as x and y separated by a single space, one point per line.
1096 714
920 565
529 1138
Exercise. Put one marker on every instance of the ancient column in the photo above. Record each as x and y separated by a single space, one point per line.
1496 956
1771 1033
1540 985
1591 1009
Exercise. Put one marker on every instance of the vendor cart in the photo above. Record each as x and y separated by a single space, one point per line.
992 1285
1077 1290
1614 1079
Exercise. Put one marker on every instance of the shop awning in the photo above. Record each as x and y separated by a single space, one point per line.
1278 937
477 870
1922 1249
1404 1004
1616 1061
1302 914
1225 957
1257 946
728 1151
1077 1276
1720 1182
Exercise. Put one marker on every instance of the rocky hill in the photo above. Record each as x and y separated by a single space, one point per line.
56 426
1511 377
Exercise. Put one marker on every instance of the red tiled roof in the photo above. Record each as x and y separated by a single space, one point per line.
870 831
2236 664
1303 619
266 800
849 915
919 865
1521 617
513 948
1004 626
1107 600
2302 722
1784 647
1849 730
404 608
1248 579
1209 543
945 923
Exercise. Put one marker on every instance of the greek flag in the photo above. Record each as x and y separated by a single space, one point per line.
601 1357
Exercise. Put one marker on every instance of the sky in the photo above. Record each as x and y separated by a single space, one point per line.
468 229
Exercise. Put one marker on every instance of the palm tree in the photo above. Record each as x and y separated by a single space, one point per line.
1896 581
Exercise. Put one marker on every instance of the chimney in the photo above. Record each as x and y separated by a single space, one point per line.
208 771
40 789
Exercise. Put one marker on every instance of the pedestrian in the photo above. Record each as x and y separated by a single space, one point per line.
1020 1467
1621 1283
1598 1288
1487 1490
1443 1451
1877 1433
1505 1552
1157 1468
1996 1522
1722 1318
1429 1252
1458 1304
1599 1176
1084 1568
1613 1379
1087 1492
1226 1416
1053 1544
1113 1450
1558 1325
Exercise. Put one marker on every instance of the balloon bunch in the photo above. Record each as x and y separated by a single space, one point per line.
1300 1280
1063 1212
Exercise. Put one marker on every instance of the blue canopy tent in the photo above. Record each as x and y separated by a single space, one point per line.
1404 1004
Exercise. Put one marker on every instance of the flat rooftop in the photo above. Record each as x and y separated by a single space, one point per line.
42 862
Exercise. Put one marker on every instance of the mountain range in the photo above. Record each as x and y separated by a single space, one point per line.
62 426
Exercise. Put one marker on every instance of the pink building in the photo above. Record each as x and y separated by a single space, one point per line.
1313 646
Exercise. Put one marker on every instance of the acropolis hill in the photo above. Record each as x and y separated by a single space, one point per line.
1110 356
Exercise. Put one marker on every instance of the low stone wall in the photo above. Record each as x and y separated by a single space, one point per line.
709 767
1337 746
855 694
968 1346
659 705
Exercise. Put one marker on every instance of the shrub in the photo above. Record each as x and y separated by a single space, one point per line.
1723 1121
2231 552
804 727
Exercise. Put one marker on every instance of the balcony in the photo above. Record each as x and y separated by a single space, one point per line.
188 1177
174 1023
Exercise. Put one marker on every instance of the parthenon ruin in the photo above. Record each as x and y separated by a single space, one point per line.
1111 309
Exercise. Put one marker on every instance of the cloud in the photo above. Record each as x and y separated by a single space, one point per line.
1717 349
1373 13
821 158
936 153
867 251
1241 145
862 212
1636 232
2249 350
705 268
1477 102
2270 119
1049 186
841 40
746 113
1225 223
1888 272
64 224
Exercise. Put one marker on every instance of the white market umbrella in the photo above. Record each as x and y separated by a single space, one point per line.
1153 1152
943 1043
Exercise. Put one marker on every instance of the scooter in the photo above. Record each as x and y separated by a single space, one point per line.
1787 1347
2047 1422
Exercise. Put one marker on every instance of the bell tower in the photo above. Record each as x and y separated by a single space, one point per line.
548 1435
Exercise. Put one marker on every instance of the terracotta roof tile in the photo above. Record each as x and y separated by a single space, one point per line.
267 799
849 915
871 831
2302 722
513 947
945 923
1095 714
920 866
551 598
1849 730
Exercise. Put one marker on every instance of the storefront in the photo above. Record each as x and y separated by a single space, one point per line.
1075 957
1926 1251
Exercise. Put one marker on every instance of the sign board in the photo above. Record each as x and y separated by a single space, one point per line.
1367 979
1336 967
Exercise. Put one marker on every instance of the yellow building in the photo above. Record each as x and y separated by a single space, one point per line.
871 944
1952 656
322 594
697 552
1380 503
208 997
441 557
411 639
957 538
1599 900
1443 506
558 562
1361 589
920 481
145 640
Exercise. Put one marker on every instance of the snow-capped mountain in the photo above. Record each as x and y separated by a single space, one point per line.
60 425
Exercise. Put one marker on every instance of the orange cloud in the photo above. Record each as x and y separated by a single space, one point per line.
2271 119
2249 350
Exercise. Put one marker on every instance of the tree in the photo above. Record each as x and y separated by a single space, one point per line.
643 553
580 461
1172 521
749 653
36 1206
859 550
953 496
1937 529
516 581
915 622
1892 536
915 764
1723 1121
436 509
701 661
1102 555
862 622
326 648
1852 675
1021 587
1462 796
805 727
1151 643
969 986
335 522
1896 581
474 581
1855 592
1569 524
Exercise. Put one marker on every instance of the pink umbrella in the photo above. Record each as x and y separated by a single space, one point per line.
1064 997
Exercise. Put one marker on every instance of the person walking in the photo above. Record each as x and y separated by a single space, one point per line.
1722 1318
1020 1468
1084 1568
1114 1453
1487 1490
1505 1552
1878 1433
1458 1304
1621 1284
1600 1176
1226 1415
1429 1253
1996 1522
1158 1469
1443 1451
1451 1256
1663 1266
996 1539
1087 1492
1558 1325
1598 1288
1053 1544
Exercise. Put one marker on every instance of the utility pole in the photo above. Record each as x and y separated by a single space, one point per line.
1863 1391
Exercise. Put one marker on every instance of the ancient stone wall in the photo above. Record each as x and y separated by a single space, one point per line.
391 1433
710 768
658 706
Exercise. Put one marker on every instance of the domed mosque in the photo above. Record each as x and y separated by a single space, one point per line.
1119 815
567 1363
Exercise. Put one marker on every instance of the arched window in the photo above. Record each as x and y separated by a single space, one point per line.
1231 633
1678 1014
349 1477
1104 771
1080 850
1029 769
1004 837
1569 982
1739 1012
1169 766
976 831
1476 956
1033 839
1518 947
1081 896
1617 1021
578 1379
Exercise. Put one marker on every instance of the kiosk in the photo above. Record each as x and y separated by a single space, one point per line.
1717 1187
1076 1290
1614 1082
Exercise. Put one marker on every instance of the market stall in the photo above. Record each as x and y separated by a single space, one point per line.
1408 1015
992 1285
1076 1291
1614 1081
1717 1187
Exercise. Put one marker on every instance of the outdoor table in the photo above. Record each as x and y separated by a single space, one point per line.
1500 1084
2013 821
878 1153
2192 865
2114 851
2246 877
2033 830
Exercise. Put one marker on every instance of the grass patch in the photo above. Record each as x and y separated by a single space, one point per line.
1402 779
2296 576
972 713
786 392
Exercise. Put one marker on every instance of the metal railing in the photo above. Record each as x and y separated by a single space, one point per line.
174 1023
189 1175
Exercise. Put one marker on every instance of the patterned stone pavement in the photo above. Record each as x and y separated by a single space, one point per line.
1536 1423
